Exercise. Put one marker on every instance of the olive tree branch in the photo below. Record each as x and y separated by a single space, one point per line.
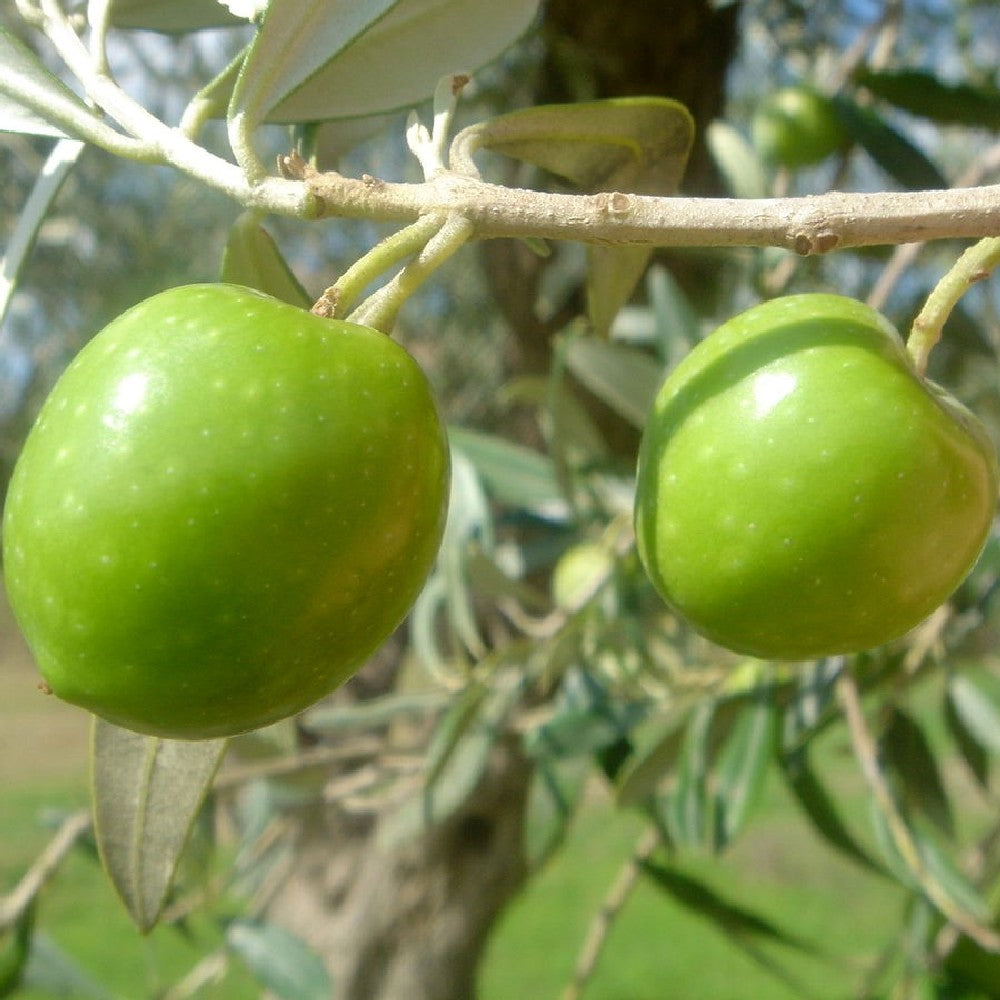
867 755
807 225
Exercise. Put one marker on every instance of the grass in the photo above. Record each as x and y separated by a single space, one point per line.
655 949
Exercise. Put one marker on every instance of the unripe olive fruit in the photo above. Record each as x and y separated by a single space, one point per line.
802 490
225 505
797 127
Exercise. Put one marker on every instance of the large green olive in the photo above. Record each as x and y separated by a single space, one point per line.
225 506
802 491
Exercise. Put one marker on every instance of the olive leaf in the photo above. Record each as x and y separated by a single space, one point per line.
34 101
635 144
313 60
281 960
171 15
252 258
146 795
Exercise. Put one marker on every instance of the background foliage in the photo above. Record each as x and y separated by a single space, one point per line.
657 778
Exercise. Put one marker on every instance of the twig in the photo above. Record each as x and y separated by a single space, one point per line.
813 224
866 753
611 907
13 906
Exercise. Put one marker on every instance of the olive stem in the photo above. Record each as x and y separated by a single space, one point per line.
867 755
974 265
340 297
616 898
379 309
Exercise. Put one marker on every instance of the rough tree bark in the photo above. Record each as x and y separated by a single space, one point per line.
410 922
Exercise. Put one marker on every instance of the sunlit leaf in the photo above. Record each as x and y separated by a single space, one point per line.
252 258
737 160
57 168
743 767
513 474
633 144
625 378
657 748
313 60
921 92
975 695
147 792
33 100
281 960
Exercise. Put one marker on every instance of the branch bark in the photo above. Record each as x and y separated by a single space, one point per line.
806 225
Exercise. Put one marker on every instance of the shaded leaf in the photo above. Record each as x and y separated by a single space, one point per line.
625 378
587 718
281 960
252 258
677 324
974 968
889 148
909 758
458 754
975 757
15 947
53 973
687 807
657 748
743 767
172 15
147 792
923 93
553 796
975 695
820 808
735 921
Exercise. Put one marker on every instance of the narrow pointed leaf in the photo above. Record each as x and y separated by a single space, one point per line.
252 258
171 15
635 144
512 473
658 746
975 694
889 148
975 756
57 168
33 100
820 809
912 763
146 793
313 59
555 792
737 160
734 920
625 378
743 767
297 38
922 93
282 962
